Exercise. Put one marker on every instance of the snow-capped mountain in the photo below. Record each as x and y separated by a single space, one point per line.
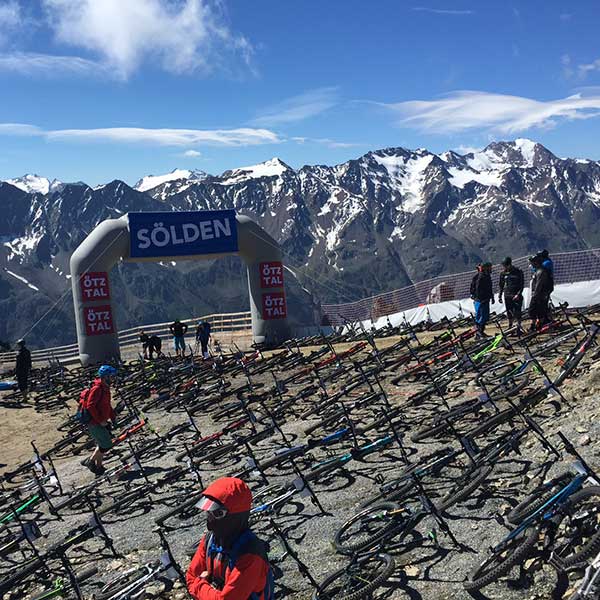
152 181
34 184
271 168
374 223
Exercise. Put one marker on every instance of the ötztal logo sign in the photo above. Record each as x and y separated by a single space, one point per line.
94 286
274 306
271 274
159 234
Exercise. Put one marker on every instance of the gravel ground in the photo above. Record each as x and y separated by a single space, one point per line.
427 566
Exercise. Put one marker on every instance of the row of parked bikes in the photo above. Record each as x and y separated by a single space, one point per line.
419 422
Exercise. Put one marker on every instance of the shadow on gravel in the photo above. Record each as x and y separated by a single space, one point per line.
325 484
140 507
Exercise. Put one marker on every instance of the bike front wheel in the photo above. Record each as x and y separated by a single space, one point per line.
368 527
500 562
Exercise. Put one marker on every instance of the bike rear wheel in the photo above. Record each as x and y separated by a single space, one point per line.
357 580
579 527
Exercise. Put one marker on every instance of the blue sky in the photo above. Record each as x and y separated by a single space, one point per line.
96 90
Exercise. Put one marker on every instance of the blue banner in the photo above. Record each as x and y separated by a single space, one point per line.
157 234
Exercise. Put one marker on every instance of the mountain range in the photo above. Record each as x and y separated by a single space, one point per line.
375 223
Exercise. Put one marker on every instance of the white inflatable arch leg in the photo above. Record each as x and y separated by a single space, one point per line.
110 242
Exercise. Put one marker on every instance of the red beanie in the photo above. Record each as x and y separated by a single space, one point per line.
232 493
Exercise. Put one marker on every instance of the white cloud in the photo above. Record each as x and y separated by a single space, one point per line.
585 69
10 18
442 11
464 110
192 154
20 129
298 108
180 36
160 137
46 65
325 142
578 71
466 149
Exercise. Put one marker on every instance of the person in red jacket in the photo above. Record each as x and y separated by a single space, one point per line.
211 574
98 404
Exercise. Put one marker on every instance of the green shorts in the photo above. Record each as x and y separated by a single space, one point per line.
102 436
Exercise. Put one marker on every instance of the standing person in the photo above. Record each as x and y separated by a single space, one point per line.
154 345
511 284
548 264
98 404
481 294
203 337
542 286
178 330
23 368
145 341
231 562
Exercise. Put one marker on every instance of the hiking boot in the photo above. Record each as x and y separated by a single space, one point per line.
92 467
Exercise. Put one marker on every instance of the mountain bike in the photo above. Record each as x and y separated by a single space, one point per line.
62 587
566 510
129 584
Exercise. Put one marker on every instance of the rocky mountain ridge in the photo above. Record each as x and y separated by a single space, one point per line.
371 224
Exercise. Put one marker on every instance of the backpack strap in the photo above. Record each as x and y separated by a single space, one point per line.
211 550
236 549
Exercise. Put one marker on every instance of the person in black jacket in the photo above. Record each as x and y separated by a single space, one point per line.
203 337
178 330
511 284
145 341
154 345
542 285
481 294
23 367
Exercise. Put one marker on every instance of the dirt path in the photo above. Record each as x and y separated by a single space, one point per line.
19 425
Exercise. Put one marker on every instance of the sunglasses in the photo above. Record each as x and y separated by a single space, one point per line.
213 509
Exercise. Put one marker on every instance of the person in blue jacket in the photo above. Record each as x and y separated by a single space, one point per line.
481 294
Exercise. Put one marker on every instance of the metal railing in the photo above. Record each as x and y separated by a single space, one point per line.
219 323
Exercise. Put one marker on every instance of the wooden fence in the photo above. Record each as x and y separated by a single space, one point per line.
226 324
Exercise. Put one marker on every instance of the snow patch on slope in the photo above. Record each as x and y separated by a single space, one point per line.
407 177
527 148
460 177
22 279
22 246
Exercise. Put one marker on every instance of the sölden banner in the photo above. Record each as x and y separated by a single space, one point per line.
158 234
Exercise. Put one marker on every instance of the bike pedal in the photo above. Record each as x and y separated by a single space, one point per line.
557 562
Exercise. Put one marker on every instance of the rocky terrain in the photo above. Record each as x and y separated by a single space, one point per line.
426 567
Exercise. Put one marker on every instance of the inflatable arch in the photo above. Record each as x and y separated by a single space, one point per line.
156 236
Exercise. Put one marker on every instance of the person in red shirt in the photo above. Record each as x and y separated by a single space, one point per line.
231 562
98 404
